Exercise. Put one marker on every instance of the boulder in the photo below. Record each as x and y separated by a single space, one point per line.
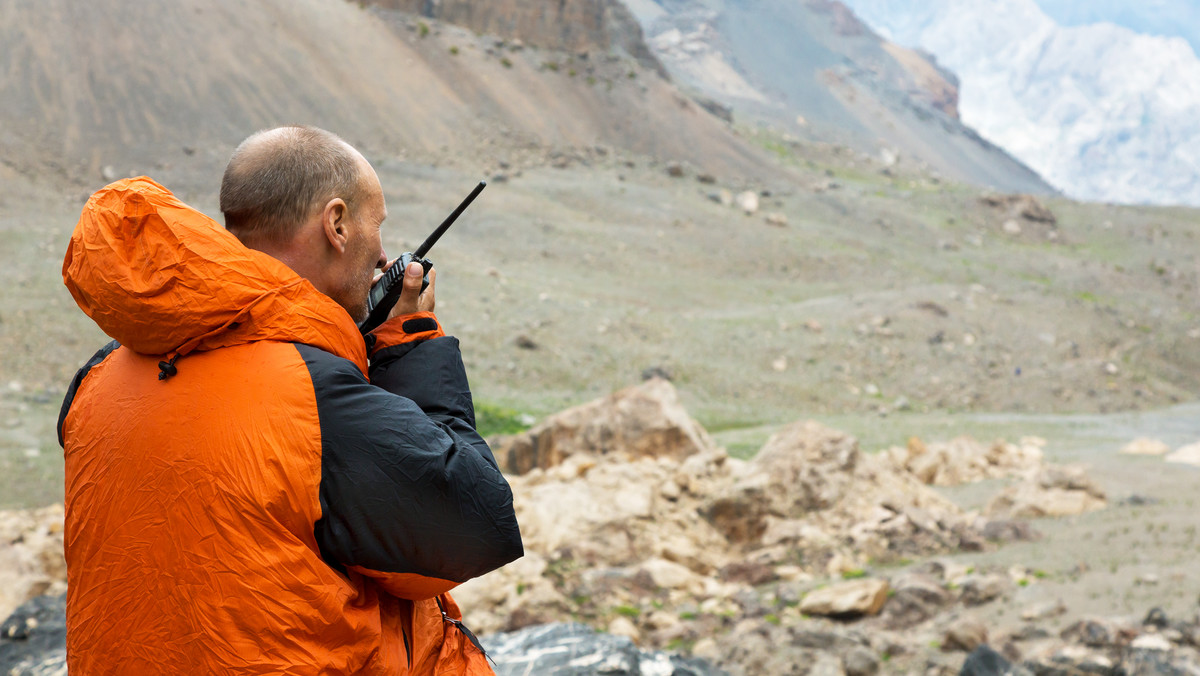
980 589
1053 491
646 420
965 460
851 598
983 661
914 598
577 650
965 634
802 468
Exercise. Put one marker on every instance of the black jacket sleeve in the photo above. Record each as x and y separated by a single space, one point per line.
407 485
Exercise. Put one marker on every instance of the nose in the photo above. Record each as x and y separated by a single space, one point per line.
382 259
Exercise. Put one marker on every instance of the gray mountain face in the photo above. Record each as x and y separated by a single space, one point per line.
1100 111
812 68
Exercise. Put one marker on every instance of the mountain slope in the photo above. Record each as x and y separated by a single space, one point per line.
779 59
1100 111
132 85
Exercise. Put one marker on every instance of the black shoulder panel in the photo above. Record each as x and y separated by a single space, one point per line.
78 380
401 490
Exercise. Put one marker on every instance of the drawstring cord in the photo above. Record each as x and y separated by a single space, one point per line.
166 369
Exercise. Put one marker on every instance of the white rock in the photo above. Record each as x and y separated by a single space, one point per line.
1145 446
747 201
1187 455
1151 642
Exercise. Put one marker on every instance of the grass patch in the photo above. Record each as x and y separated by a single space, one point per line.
491 420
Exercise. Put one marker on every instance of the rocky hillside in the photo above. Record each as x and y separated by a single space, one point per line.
1102 112
813 69
570 25
136 87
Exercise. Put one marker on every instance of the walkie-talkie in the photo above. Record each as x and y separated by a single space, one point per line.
386 291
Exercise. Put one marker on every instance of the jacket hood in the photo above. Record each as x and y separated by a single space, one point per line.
164 279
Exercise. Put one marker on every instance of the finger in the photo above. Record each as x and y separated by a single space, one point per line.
426 302
410 291
384 269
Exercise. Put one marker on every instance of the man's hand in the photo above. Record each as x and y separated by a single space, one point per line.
411 298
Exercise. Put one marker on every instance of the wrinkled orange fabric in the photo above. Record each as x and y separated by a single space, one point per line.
185 556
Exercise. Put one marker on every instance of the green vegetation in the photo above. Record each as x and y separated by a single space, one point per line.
422 29
627 611
454 50
491 420
506 62
854 574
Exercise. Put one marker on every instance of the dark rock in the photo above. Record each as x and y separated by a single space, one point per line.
983 661
1157 617
748 572
1006 530
525 342
577 650
1030 632
980 589
651 372
1088 632
824 640
1152 663
915 598
674 169
33 640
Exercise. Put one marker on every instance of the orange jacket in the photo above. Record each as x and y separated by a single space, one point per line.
241 497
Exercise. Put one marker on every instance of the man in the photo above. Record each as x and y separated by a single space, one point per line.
244 495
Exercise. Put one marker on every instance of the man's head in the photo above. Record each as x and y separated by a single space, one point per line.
306 197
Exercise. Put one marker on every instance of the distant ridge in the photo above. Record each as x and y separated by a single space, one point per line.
813 68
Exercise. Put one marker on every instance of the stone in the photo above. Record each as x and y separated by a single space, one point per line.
965 634
1187 455
980 589
1145 446
851 598
776 219
984 661
1157 618
1053 491
860 661
1044 610
1009 530
576 650
747 201
668 575
1151 642
914 599
623 626
674 169
641 421
1089 632
965 460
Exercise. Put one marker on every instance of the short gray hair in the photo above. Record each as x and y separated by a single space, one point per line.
278 177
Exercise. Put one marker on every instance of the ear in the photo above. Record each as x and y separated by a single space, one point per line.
335 221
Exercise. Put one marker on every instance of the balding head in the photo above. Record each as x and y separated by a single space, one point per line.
278 178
